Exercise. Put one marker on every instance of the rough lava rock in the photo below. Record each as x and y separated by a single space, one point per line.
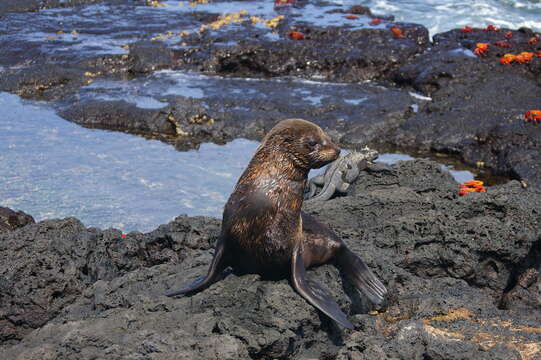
477 105
222 115
7 6
67 291
472 108
11 220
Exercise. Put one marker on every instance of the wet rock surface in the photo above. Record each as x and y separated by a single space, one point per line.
11 220
446 260
478 105
199 108
8 6
472 106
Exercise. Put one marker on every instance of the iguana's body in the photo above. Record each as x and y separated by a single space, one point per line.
339 175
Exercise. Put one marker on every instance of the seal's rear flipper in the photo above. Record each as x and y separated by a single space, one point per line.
314 293
217 265
361 275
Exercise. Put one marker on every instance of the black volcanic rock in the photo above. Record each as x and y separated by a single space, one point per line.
478 105
446 260
121 116
43 82
11 220
223 115
331 53
47 266
473 107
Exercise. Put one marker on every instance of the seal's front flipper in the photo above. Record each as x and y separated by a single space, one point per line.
314 293
217 265
361 275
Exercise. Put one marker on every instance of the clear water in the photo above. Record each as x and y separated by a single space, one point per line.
151 91
51 168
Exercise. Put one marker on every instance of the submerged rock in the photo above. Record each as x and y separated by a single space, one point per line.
70 291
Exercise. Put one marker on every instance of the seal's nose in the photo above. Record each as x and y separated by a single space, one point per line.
331 146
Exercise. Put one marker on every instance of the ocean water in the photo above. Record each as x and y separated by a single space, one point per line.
443 15
51 168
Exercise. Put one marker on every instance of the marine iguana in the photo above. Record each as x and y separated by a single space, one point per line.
339 175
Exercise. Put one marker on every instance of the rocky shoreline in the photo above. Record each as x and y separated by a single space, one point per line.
463 272
470 107
463 275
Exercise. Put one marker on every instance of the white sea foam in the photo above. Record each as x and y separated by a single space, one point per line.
439 16
420 97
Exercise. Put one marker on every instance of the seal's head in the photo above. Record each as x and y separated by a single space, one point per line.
304 143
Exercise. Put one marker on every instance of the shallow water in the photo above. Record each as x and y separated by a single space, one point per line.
151 91
51 168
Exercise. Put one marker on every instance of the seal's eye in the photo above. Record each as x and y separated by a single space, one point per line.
312 142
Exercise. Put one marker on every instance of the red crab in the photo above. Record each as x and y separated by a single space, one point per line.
507 59
491 28
533 40
296 35
503 44
481 49
283 2
464 190
525 57
466 29
508 35
375 21
471 186
351 17
397 32
533 116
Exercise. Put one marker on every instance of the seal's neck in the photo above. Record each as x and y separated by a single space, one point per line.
280 165
278 177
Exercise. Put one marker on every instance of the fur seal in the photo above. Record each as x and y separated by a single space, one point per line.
264 230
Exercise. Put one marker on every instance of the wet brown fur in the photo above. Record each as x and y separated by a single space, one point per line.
264 230
262 218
